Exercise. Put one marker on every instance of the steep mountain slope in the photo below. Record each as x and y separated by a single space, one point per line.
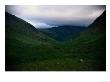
23 41
62 33
91 44
19 29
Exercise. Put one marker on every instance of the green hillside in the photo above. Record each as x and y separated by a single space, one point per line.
91 44
24 42
28 49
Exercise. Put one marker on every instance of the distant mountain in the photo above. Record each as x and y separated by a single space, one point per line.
63 32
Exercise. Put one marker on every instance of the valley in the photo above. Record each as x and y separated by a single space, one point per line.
62 49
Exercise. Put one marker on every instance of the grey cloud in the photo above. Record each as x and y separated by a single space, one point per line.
54 15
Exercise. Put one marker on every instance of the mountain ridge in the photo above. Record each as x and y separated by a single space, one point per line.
25 30
63 32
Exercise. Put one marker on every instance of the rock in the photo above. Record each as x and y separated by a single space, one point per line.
81 60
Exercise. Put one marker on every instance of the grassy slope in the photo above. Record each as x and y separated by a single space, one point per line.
24 43
91 44
27 50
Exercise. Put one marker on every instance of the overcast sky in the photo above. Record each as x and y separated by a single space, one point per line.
43 16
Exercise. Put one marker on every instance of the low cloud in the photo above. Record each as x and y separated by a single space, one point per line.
55 15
